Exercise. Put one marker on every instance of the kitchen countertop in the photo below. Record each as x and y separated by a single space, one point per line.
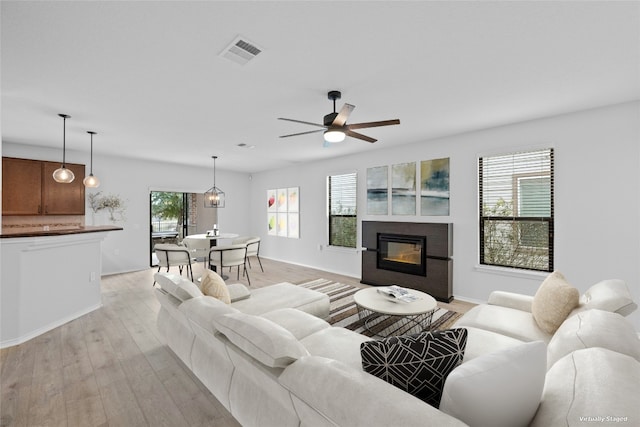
10 232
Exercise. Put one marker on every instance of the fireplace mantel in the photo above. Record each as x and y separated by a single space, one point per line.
437 281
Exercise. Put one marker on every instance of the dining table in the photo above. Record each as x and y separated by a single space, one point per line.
213 241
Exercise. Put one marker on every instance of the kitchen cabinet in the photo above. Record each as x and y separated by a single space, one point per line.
28 188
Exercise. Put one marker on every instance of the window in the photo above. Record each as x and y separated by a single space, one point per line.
516 210
342 210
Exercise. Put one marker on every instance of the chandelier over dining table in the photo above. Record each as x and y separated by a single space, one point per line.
214 197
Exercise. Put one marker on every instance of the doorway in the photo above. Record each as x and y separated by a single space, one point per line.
174 215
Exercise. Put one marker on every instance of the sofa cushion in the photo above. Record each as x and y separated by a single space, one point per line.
553 302
203 310
176 285
337 343
213 286
594 328
513 323
500 389
283 295
417 364
299 323
260 338
326 392
591 386
480 342
609 295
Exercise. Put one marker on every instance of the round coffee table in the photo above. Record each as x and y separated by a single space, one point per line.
385 316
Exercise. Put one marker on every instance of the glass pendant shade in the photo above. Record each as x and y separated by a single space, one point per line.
214 197
62 174
91 181
333 135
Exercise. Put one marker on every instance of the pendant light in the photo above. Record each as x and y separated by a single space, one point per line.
62 174
91 181
214 197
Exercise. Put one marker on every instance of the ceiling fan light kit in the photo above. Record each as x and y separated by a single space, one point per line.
335 127
333 136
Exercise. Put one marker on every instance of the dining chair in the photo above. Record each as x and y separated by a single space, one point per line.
199 248
172 255
253 249
230 256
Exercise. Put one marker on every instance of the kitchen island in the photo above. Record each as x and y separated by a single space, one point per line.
50 276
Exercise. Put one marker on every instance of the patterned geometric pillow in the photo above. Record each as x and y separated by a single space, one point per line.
418 364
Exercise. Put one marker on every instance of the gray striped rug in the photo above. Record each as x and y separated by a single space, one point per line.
344 313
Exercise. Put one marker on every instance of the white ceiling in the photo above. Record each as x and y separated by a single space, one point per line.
148 78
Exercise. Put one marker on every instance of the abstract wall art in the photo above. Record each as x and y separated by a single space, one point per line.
378 190
434 187
403 189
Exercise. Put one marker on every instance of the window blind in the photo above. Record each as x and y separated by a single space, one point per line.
342 210
516 210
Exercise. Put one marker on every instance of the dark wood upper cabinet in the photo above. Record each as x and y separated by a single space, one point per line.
28 188
21 187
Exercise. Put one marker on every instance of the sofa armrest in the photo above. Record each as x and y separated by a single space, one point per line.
511 300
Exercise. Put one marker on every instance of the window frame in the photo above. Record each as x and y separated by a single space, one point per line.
330 216
513 223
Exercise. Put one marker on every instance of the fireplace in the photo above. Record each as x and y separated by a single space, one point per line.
416 255
402 253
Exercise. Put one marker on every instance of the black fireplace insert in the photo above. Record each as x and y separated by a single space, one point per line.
402 253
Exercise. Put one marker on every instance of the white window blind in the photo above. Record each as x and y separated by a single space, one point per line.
516 210
342 210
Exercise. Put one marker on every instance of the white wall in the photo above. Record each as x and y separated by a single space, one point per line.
597 200
128 250
597 187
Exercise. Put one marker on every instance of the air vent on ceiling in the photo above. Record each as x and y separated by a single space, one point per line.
241 51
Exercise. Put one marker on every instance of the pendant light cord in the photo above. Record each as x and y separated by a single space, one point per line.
214 173
64 140
91 169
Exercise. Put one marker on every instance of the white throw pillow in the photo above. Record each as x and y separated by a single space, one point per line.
593 328
262 339
178 286
501 389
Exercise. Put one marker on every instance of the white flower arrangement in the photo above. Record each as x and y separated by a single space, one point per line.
111 202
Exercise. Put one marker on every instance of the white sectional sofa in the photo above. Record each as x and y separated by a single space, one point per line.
272 360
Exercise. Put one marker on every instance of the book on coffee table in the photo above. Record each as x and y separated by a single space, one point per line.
397 293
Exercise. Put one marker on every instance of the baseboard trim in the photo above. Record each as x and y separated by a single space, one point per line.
47 328
315 267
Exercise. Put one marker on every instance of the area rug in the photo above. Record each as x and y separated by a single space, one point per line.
344 313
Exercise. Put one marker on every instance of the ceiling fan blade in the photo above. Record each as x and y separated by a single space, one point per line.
360 136
343 115
304 123
373 124
302 133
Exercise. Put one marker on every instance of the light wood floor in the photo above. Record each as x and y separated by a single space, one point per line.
111 367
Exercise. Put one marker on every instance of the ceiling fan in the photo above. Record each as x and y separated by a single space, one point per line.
335 125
